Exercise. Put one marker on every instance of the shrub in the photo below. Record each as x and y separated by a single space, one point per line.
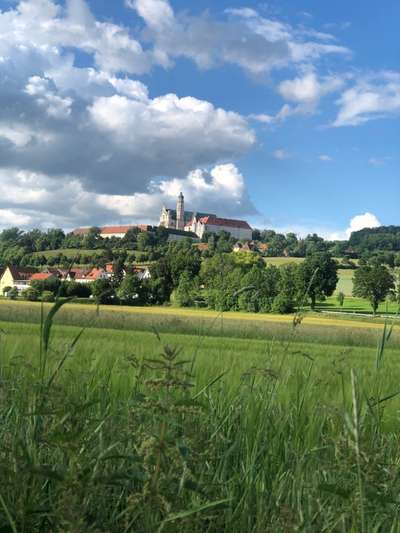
48 296
31 294
12 293
283 304
73 288
6 290
340 299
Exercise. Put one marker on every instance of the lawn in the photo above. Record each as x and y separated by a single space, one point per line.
358 305
280 261
70 253
345 283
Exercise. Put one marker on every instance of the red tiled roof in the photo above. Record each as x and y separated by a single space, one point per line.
228 222
115 229
109 268
81 231
39 276
78 273
95 273
107 230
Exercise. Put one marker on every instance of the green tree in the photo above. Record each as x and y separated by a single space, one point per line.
317 277
374 283
73 288
102 291
132 290
186 291
286 299
260 287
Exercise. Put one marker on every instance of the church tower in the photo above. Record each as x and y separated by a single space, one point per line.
180 212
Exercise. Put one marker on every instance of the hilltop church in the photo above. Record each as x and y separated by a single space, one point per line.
200 223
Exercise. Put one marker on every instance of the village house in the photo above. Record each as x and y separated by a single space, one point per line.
239 229
142 272
16 277
249 246
42 276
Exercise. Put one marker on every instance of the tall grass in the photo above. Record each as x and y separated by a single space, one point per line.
157 441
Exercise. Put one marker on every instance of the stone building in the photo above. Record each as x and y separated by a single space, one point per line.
200 223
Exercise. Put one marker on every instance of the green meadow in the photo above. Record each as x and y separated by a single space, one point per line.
160 420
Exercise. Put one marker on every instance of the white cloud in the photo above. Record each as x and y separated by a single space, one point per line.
281 154
244 38
55 105
357 223
79 144
42 26
221 190
304 94
9 218
324 157
17 134
308 88
30 198
372 97
263 118
170 135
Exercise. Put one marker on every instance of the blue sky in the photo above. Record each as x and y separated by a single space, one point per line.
284 113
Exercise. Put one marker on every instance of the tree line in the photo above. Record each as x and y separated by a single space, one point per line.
28 248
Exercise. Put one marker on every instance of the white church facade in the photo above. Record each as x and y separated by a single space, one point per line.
200 223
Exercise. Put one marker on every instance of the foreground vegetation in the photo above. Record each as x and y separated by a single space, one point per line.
121 430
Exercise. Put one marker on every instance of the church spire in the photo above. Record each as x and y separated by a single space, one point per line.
180 212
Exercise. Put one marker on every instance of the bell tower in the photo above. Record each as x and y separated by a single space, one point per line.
180 212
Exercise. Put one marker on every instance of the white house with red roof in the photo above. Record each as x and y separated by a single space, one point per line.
239 229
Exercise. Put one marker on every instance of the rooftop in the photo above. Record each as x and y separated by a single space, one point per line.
228 222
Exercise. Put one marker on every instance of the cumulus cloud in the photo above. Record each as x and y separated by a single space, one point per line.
82 143
308 88
372 97
325 157
41 25
31 198
357 223
243 38
55 105
306 91
302 94
169 135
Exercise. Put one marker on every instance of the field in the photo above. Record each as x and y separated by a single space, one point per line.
345 283
157 420
70 253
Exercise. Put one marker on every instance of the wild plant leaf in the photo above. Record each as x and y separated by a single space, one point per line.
336 490
199 509
45 471
48 323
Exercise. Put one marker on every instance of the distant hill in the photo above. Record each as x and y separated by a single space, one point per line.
384 238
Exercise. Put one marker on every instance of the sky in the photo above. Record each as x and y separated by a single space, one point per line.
282 113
